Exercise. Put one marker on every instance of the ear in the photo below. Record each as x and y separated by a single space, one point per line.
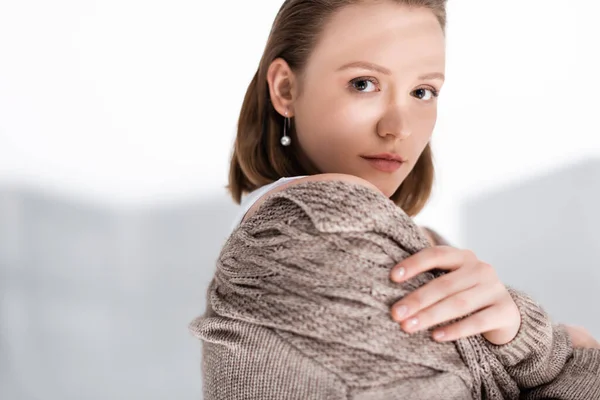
282 86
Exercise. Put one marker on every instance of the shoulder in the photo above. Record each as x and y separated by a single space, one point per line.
304 184
332 203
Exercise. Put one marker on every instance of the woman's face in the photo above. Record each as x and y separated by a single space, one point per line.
369 88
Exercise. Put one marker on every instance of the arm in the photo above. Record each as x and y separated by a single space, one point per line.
543 361
312 264
541 358
578 379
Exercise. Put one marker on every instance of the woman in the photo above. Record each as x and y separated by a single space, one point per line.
311 286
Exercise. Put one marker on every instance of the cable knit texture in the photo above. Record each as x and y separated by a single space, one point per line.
299 308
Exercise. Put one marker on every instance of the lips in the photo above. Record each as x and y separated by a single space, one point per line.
384 164
386 156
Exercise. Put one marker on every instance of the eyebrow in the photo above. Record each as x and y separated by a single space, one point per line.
383 70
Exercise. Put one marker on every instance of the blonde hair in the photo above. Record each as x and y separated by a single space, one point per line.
258 157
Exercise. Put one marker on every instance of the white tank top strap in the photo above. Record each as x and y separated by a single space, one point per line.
249 199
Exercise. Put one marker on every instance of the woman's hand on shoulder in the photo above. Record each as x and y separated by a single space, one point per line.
470 287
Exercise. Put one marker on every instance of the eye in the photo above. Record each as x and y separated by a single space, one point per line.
423 95
365 85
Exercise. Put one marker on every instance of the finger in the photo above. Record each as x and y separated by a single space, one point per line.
441 257
480 322
433 292
451 308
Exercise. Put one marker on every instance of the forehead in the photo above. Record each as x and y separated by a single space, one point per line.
387 33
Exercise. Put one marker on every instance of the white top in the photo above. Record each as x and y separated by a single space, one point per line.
249 199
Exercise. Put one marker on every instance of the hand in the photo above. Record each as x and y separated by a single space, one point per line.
581 337
471 286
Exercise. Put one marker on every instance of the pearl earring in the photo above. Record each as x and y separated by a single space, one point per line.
286 140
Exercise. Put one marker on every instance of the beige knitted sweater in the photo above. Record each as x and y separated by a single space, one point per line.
299 308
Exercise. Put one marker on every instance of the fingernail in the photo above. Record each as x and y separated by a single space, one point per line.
439 335
411 325
400 311
398 274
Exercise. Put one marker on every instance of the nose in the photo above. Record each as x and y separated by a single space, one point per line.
394 123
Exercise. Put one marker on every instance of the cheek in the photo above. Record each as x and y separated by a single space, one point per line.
425 123
352 118
328 119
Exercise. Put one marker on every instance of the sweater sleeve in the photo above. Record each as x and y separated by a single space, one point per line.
541 358
539 350
579 379
312 265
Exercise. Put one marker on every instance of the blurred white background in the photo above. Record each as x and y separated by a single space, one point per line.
117 120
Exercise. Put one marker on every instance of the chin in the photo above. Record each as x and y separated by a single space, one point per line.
389 186
387 189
